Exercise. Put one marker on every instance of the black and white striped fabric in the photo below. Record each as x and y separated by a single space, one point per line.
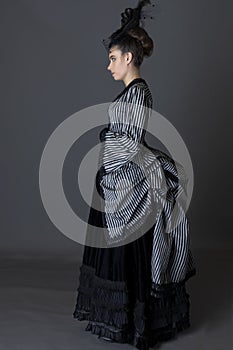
143 186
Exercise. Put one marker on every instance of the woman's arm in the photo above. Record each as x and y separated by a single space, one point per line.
120 148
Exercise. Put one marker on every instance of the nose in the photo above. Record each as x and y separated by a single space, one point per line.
108 67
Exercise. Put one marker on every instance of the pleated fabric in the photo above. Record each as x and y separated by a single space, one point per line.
135 293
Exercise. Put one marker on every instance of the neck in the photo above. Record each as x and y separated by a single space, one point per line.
128 79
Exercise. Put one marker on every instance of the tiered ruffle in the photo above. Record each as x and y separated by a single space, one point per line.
113 311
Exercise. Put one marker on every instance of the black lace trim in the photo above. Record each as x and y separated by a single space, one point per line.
112 313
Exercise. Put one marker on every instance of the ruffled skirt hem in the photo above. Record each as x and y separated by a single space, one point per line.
114 312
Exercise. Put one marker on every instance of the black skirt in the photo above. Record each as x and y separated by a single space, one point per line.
118 298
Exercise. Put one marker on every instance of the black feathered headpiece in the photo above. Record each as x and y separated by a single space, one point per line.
130 19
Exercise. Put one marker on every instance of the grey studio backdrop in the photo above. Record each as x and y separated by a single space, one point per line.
53 64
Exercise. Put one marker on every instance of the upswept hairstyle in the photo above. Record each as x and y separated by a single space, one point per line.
131 37
136 41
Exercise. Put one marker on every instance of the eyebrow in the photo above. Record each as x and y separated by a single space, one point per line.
111 56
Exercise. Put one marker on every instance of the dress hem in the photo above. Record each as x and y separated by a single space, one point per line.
112 312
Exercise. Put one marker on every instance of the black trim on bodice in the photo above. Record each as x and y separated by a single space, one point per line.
134 81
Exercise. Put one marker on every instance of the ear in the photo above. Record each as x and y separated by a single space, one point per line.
128 57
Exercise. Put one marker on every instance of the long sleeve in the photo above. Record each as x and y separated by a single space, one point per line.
121 147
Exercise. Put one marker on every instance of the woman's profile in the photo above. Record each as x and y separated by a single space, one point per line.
135 292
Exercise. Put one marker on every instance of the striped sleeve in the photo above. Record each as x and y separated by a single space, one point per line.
121 147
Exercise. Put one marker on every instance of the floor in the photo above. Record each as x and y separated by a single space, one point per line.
37 299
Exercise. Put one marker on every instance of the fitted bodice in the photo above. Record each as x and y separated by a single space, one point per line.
129 112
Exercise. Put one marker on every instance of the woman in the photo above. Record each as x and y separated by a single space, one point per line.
134 292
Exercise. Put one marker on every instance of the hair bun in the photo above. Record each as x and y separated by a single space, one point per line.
141 35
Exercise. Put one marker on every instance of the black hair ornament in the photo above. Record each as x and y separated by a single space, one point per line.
130 19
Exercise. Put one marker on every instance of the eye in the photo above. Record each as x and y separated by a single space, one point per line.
113 58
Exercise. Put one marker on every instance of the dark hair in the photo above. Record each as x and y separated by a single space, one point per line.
136 41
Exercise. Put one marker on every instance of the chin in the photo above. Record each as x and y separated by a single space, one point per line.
115 77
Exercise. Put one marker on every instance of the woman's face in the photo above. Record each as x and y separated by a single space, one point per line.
118 63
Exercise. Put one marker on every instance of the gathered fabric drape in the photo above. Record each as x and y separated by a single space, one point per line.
143 186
